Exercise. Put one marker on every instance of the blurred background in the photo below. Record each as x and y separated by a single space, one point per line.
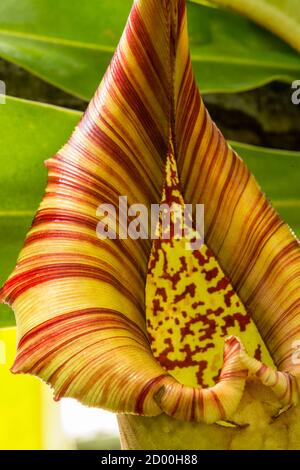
53 54
30 419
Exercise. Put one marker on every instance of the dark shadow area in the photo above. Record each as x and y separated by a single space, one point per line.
265 116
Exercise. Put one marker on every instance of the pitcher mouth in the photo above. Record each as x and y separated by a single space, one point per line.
191 309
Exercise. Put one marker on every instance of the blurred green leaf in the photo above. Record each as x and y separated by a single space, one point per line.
282 17
32 132
69 43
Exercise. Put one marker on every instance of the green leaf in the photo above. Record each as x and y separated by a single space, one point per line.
230 53
70 43
282 17
32 132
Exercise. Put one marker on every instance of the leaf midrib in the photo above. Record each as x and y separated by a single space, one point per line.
57 41
111 49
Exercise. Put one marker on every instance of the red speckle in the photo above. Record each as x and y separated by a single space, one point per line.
221 285
174 279
186 362
202 366
216 377
257 353
210 274
190 289
200 258
161 291
227 297
203 320
186 330
218 311
183 264
243 321
156 307
197 304
151 338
